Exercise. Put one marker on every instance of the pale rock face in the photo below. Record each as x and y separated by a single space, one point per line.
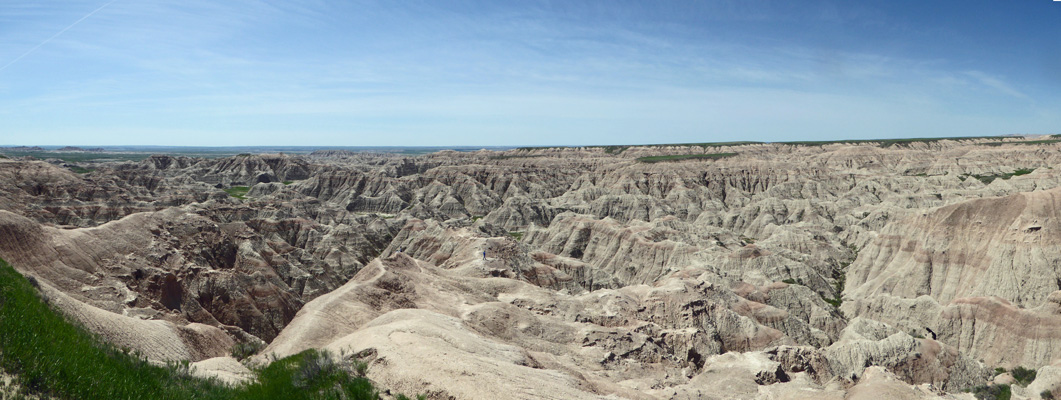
1001 247
855 270
990 263
1047 379
226 369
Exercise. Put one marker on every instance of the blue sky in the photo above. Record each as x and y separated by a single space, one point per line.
351 73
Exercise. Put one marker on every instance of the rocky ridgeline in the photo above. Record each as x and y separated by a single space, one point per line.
783 271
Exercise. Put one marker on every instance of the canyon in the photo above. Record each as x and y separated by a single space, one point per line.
857 269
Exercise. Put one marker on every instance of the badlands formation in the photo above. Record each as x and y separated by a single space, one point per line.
823 271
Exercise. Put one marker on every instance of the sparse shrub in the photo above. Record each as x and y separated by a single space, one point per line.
309 374
316 365
243 350
1047 395
992 392
361 368
1023 376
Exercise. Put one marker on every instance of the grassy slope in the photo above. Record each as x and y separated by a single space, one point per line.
50 356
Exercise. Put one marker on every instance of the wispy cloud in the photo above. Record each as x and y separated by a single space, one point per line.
318 69
995 83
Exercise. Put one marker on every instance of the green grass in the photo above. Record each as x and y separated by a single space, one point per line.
288 182
516 235
54 358
239 192
81 170
681 157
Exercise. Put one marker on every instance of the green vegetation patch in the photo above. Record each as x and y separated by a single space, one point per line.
987 179
840 278
239 192
80 170
681 157
516 235
310 374
1025 142
51 357
507 156
1023 376
992 392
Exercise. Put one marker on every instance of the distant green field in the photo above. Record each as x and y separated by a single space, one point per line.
239 192
80 157
617 149
1025 142
680 157
506 157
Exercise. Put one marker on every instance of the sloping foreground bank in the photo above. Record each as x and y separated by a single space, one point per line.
53 358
